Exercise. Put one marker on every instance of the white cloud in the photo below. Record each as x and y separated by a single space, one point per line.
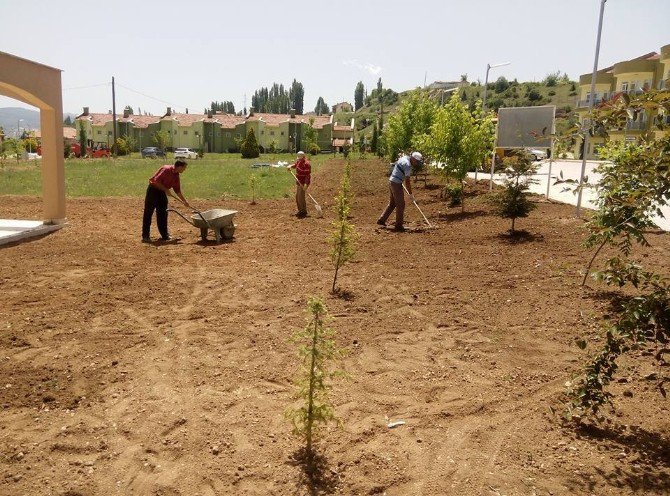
371 68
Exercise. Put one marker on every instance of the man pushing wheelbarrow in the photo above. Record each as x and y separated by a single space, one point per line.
165 179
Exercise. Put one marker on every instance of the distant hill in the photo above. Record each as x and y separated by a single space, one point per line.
563 94
9 118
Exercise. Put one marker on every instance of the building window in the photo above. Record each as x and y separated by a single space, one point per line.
282 133
99 132
185 132
272 133
262 133
624 86
227 135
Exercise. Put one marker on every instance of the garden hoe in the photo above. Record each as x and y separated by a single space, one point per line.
417 206
319 212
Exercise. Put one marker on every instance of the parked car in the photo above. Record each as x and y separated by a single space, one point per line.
537 154
152 152
185 153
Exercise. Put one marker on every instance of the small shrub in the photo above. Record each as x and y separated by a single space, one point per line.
314 149
249 148
512 201
551 93
453 193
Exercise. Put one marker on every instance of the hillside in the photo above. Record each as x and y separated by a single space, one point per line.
500 94
10 116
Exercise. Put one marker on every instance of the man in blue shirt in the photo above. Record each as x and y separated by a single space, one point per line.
400 173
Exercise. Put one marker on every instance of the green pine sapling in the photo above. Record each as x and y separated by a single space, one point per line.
317 349
512 201
344 236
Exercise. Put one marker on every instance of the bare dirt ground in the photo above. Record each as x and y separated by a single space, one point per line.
139 369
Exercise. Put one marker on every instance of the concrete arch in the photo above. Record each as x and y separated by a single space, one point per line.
40 85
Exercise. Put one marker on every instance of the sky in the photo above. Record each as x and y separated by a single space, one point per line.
186 54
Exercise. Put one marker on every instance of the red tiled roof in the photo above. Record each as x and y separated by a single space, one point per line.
97 119
184 119
68 133
140 121
269 119
341 128
277 119
228 121
340 141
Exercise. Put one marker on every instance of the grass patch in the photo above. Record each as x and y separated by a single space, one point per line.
215 176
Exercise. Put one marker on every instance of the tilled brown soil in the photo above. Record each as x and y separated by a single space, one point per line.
166 369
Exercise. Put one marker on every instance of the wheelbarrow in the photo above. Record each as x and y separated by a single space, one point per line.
217 219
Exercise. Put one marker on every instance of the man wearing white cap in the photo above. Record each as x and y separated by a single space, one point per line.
400 173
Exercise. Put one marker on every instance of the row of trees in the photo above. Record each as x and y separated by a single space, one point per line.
225 106
278 100
451 135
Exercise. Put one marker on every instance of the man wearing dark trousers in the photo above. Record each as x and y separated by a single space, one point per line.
400 173
165 178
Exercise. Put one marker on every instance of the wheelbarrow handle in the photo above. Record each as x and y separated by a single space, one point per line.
180 215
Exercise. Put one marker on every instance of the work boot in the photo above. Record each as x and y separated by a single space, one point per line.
399 229
146 239
381 222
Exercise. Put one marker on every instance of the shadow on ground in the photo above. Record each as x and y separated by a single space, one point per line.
315 475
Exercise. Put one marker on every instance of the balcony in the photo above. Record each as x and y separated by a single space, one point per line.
598 100
636 125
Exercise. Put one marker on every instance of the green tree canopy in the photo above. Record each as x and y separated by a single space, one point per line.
321 107
407 127
359 95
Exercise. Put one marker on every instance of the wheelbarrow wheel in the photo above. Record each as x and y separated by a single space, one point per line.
203 233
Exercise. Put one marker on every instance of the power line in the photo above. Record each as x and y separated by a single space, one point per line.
86 87
172 104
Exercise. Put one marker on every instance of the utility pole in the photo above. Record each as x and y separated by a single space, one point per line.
114 115
591 100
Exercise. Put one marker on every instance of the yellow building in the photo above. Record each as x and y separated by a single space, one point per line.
649 71
214 132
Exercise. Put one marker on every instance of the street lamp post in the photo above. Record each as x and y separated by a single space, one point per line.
486 81
593 97
486 85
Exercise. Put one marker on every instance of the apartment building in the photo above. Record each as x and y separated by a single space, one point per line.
649 71
216 132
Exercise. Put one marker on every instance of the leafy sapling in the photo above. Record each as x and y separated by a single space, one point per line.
512 201
317 350
253 183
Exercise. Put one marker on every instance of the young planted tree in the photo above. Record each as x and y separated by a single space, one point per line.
512 202
458 139
344 236
635 185
317 349
253 183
